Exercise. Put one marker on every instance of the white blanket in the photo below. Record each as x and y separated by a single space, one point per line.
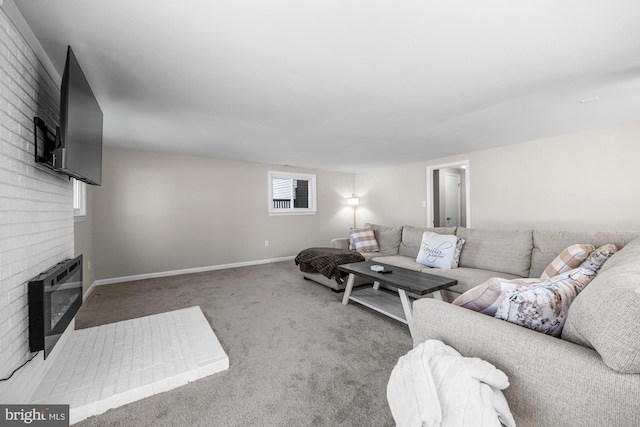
435 386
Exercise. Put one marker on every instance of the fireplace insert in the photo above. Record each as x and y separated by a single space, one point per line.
55 296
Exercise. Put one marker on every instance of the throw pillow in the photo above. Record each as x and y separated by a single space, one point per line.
568 259
544 306
597 258
437 250
487 297
456 253
352 243
364 240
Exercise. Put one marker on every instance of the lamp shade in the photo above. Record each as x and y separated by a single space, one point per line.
353 201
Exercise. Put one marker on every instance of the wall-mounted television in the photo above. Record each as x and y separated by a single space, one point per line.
75 148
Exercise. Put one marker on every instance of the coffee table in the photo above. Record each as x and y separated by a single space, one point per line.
385 302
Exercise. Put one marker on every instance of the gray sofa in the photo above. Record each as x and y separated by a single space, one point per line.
588 377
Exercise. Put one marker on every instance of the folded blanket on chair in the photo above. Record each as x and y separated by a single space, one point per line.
326 261
433 385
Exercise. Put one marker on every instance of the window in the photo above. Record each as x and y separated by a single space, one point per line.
292 193
79 199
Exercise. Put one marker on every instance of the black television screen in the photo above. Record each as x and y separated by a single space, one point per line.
79 151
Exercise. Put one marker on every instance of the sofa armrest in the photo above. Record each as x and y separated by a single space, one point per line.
551 380
340 243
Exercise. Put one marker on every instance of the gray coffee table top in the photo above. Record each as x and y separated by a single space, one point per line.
412 281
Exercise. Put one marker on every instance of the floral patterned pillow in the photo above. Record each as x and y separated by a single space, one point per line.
544 306
457 252
487 297
597 258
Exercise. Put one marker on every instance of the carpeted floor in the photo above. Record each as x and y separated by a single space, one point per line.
297 356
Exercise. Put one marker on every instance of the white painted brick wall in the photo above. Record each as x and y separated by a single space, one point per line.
36 206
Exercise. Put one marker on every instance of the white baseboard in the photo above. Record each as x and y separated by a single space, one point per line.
85 295
184 271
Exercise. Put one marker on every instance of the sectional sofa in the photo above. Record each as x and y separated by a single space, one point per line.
590 376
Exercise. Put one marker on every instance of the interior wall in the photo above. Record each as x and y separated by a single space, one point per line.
393 195
582 181
160 212
36 206
84 243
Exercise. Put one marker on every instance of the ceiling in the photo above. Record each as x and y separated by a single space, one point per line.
346 85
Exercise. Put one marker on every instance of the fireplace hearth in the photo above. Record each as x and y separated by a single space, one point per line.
55 296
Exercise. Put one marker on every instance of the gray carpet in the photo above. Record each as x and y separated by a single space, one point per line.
298 357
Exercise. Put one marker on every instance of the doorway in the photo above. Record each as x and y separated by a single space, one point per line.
448 195
452 192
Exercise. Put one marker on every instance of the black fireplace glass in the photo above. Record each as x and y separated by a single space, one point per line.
55 296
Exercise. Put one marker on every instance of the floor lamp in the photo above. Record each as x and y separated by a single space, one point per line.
354 202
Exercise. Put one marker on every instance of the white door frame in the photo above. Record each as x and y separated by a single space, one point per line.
430 169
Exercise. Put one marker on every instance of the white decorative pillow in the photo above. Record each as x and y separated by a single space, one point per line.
437 250
456 253
487 297
568 259
544 306
597 258
364 239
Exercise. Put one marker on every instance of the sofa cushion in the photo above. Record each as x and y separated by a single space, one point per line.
437 250
363 239
369 256
388 238
544 306
507 251
628 255
570 258
487 297
412 237
605 315
548 244
399 261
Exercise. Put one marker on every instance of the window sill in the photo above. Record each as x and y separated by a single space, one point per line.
79 218
290 213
